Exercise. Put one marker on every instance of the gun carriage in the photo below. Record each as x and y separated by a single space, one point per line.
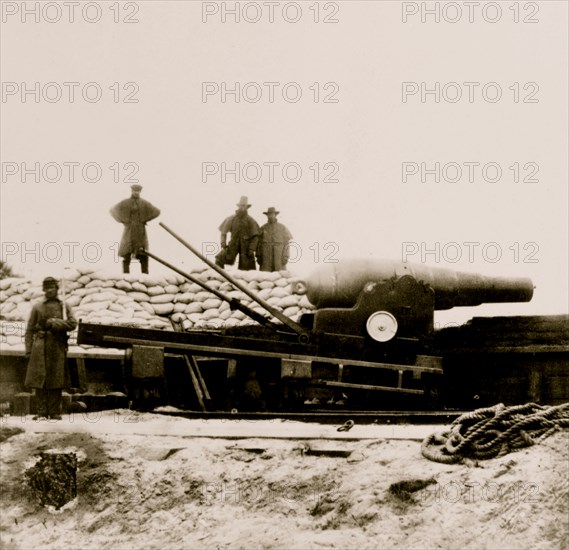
370 336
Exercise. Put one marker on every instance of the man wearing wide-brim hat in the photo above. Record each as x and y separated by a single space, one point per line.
134 213
46 350
273 246
244 232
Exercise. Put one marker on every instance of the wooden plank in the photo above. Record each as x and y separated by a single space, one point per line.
227 430
523 320
506 349
81 374
534 392
147 362
200 378
118 355
332 384
104 356
195 383
559 388
535 334
230 352
334 452
231 368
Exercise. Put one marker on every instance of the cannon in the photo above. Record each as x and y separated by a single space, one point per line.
372 331
384 299
340 284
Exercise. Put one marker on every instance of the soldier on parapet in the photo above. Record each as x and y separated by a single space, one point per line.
273 249
134 213
244 236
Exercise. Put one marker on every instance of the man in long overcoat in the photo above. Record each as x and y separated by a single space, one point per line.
244 236
134 213
273 248
46 349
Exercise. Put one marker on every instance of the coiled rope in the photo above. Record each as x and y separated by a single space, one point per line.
495 431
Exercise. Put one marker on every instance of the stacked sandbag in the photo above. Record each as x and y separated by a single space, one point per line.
13 341
16 298
98 297
12 335
140 301
148 301
196 308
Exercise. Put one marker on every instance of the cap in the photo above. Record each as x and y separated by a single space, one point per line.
49 281
136 187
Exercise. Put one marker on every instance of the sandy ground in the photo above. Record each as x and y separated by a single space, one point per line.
139 490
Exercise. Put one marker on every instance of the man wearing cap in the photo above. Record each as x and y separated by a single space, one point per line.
273 249
244 236
134 213
46 350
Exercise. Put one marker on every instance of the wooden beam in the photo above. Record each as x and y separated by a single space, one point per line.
232 352
195 383
534 392
81 374
330 383
200 377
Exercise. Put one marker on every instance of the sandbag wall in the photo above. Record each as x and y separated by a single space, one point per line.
148 301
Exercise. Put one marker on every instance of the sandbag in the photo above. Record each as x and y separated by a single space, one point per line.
147 307
155 290
290 311
211 303
139 296
139 287
194 307
171 289
163 309
203 295
177 317
289 301
266 284
123 285
279 292
163 299
185 298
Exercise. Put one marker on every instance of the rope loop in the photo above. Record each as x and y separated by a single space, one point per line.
495 431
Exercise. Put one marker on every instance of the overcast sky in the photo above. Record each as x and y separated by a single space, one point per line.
352 129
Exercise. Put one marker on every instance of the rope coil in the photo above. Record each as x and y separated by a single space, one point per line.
495 431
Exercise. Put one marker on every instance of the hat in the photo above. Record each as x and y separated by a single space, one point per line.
49 281
243 201
271 210
136 187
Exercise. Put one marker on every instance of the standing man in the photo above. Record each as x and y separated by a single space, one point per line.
244 236
134 213
273 249
46 350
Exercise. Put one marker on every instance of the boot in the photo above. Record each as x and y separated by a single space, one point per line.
143 264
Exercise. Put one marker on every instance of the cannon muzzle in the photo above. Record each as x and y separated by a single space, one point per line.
340 284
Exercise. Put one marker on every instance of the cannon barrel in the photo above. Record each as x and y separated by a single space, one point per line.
340 284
